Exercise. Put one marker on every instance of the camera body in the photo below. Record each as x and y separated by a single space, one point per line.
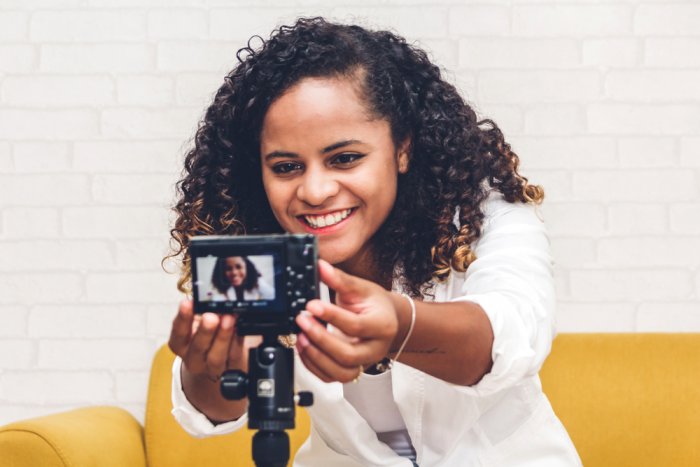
266 279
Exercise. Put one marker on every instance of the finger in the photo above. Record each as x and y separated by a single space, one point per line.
350 323
301 345
218 352
338 280
181 330
325 365
336 348
196 353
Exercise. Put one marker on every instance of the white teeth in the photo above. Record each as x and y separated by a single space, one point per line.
328 219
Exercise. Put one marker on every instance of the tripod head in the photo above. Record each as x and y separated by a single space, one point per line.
269 386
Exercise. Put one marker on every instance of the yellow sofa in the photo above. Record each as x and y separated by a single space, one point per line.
625 399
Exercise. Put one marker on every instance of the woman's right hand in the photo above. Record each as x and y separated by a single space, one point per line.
208 345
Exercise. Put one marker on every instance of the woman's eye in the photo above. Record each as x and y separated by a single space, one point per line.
285 168
347 158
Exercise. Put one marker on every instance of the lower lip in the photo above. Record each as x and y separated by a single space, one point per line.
327 230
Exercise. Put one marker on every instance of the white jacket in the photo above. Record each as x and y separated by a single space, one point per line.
504 420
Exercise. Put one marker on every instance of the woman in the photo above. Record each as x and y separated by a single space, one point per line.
353 135
237 278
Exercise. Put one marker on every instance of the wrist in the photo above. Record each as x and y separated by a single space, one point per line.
403 315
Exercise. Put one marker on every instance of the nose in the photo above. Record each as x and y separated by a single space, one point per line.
316 186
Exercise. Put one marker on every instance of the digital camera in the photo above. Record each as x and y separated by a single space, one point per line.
266 279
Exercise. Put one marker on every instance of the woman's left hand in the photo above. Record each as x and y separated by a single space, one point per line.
367 317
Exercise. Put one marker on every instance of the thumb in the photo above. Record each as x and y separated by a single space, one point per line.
338 280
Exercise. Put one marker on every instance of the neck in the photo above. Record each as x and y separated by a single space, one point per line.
361 265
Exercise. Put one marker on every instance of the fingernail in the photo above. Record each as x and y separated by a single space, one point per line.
303 322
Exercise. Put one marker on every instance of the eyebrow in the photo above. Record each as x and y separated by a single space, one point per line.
326 150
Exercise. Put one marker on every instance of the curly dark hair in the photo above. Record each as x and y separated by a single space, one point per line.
218 276
454 157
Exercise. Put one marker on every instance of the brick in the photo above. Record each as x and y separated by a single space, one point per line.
554 119
149 123
13 321
16 412
115 222
217 57
613 53
149 3
16 354
145 90
51 91
572 20
132 386
18 58
240 24
647 152
653 85
667 19
638 219
576 219
28 289
46 387
97 58
573 252
116 25
479 20
6 164
643 119
32 4
136 255
635 251
539 86
178 24
636 185
669 317
24 223
565 153
19 124
133 189
43 190
672 52
127 157
685 218
509 118
133 287
595 317
56 255
14 26
85 321
95 354
413 22
41 157
197 89
482 53
630 285
443 53
159 319
690 151
556 183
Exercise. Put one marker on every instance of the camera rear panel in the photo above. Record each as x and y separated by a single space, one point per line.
266 279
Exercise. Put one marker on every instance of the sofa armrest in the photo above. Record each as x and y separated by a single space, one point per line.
87 437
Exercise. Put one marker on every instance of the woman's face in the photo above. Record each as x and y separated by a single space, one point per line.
329 168
235 270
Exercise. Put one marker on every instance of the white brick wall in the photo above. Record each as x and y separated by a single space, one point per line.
98 99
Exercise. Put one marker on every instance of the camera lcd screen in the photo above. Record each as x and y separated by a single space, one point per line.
239 280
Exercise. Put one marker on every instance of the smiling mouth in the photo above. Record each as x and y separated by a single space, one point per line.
327 220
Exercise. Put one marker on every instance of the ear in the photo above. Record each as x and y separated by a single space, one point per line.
403 155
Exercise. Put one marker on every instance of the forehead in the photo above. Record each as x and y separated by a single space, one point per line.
234 260
317 112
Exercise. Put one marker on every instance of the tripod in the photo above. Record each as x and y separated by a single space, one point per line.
269 386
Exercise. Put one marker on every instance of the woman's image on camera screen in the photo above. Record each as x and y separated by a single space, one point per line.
241 278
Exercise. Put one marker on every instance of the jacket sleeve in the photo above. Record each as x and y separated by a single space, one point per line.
192 420
512 279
